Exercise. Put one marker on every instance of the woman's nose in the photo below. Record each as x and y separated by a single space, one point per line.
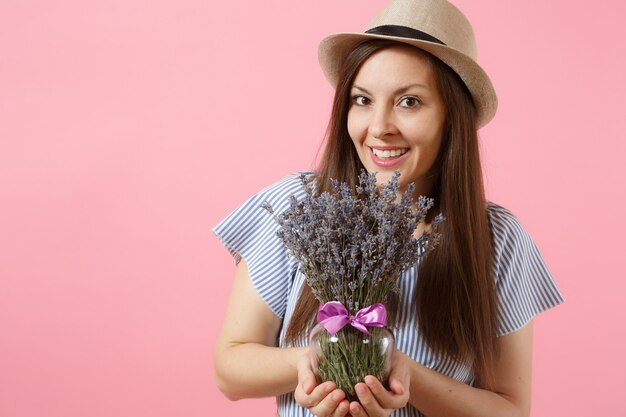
382 123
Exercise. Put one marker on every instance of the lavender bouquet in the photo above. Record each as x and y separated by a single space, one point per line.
352 245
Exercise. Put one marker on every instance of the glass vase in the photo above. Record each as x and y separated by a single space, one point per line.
349 355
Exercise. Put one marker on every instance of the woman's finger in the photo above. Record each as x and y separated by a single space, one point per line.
387 399
306 377
356 410
369 403
331 405
314 397
342 409
397 386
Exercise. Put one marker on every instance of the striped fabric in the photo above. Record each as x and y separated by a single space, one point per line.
524 285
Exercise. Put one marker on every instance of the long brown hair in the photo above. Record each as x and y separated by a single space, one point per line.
455 293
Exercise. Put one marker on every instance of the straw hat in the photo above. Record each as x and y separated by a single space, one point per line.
436 26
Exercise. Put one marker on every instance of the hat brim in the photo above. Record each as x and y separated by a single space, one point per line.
334 49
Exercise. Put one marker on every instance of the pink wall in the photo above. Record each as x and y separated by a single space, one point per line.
129 128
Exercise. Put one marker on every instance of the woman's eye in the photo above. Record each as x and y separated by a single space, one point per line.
409 102
361 100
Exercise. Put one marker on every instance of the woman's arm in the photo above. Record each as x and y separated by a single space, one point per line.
248 363
246 360
437 395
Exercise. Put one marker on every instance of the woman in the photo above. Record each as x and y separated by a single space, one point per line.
409 97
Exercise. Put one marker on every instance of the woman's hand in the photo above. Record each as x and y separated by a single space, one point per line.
375 399
322 400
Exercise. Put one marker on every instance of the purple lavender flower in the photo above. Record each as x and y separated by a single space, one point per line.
352 245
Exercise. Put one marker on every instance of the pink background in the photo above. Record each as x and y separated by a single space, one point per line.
129 128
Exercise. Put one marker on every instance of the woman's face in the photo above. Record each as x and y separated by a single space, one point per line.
396 116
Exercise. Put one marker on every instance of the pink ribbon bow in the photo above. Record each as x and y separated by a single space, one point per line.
334 316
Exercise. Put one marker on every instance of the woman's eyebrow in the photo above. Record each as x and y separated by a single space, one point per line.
363 90
400 90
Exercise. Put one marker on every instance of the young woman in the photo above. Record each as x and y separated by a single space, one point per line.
409 97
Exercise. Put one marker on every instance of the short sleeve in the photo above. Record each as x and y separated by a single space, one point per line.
249 232
524 285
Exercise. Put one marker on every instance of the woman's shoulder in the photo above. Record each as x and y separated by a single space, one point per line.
295 180
503 222
499 212
512 244
278 194
524 284
508 234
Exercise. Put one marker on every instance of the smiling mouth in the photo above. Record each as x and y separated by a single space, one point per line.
389 153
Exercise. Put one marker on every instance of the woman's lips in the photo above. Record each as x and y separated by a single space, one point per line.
386 157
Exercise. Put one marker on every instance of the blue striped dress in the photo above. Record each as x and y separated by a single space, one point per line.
524 286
